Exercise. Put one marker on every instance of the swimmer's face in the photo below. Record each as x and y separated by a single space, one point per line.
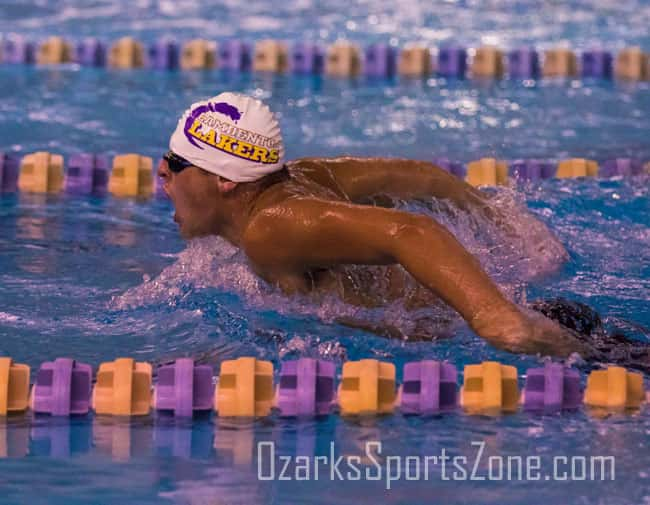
198 198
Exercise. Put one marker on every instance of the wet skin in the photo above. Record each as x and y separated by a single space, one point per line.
303 230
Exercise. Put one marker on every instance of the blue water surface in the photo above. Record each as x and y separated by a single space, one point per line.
98 278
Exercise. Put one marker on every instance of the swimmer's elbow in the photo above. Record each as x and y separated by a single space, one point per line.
413 234
411 230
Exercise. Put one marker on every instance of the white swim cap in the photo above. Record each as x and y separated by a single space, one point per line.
231 135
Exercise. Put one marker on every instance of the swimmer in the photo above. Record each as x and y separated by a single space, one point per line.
302 223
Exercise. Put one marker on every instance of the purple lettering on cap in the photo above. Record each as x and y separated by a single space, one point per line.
229 110
221 107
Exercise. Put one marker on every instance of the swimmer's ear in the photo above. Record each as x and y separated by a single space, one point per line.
225 186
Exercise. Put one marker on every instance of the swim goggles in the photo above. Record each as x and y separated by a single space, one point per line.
175 162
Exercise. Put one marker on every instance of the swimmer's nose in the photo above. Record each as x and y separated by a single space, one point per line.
163 171
165 176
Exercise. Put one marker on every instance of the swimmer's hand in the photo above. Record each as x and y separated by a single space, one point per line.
530 332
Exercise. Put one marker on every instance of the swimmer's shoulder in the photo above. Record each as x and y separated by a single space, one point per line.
266 242
281 217
307 177
310 171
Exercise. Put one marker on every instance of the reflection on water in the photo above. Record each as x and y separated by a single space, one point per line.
122 439
60 438
214 460
14 438
183 439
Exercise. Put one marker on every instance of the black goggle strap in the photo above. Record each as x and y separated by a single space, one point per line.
176 163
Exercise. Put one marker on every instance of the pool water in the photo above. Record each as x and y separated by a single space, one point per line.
99 278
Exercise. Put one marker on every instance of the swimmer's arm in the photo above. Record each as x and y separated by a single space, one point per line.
308 233
362 178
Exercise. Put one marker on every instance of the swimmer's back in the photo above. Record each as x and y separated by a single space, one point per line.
359 180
